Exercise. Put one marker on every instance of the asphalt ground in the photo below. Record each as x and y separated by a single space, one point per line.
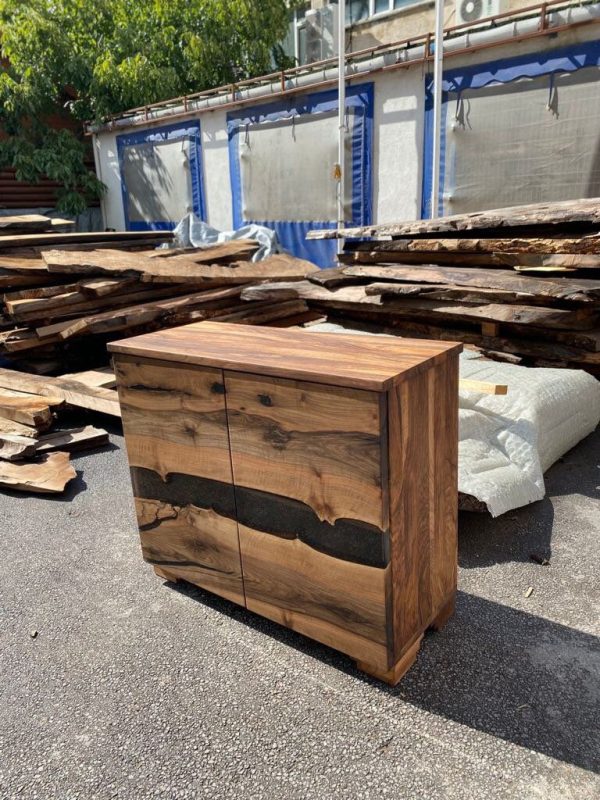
115 684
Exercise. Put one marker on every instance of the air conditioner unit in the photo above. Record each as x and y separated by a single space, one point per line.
317 34
474 10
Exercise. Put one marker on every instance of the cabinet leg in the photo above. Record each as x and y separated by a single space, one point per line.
393 675
444 615
167 576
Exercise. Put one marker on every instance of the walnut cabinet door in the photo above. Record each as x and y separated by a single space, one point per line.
310 476
175 425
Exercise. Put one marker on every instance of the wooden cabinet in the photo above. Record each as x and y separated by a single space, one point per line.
310 477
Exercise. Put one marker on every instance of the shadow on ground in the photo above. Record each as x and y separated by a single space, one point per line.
527 532
499 670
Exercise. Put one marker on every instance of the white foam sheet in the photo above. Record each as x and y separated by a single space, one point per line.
507 442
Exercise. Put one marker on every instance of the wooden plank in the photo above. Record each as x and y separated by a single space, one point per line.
132 316
23 340
73 440
14 447
11 280
517 261
28 410
103 376
12 428
262 313
359 362
79 303
107 262
541 246
178 269
23 222
483 387
559 216
519 345
72 392
59 294
573 290
275 267
20 264
50 475
348 296
214 254
53 402
467 294
86 237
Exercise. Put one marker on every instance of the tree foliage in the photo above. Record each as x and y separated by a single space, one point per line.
94 58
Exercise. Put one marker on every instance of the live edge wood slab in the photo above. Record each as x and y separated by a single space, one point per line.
309 477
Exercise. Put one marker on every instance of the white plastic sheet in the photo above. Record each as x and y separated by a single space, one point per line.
158 180
193 232
507 442
524 142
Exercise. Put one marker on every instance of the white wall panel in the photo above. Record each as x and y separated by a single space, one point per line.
107 169
215 153
398 145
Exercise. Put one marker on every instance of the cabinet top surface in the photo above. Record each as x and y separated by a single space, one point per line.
364 362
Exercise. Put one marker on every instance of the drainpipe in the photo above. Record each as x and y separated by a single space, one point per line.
438 61
339 169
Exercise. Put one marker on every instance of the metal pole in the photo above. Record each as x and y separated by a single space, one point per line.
339 172
437 104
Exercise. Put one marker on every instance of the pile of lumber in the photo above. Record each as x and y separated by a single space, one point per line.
62 301
520 284
17 224
65 295
33 457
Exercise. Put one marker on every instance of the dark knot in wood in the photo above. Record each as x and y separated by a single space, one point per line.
265 399
277 437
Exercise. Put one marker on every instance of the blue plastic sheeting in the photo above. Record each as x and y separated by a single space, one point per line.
166 133
292 234
478 76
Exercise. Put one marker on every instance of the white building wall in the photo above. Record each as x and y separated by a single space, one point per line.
398 145
107 170
215 155
397 155
399 117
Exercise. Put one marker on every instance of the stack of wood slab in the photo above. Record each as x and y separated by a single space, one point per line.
520 284
65 295
32 456
61 304
29 224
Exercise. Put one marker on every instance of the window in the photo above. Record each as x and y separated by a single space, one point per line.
295 46
358 10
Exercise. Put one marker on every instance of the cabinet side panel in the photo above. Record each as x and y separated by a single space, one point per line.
410 507
423 441
176 437
443 410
